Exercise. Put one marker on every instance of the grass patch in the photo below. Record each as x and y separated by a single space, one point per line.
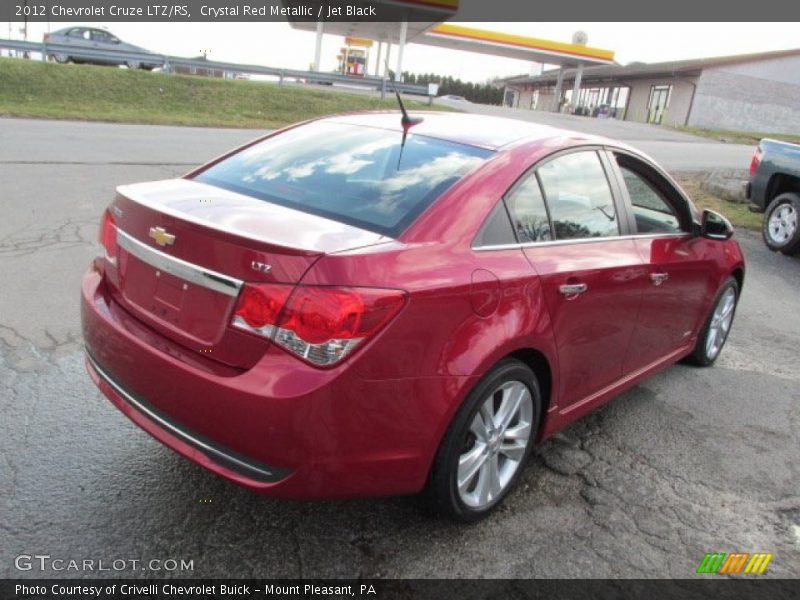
739 137
737 213
35 89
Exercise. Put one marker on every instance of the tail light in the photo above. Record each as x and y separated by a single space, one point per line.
108 237
755 161
319 324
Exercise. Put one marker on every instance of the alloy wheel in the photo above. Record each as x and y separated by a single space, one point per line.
495 445
720 323
782 224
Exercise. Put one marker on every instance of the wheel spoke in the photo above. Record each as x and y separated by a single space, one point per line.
487 414
494 476
724 327
728 309
519 432
488 481
469 464
478 428
512 399
712 341
513 451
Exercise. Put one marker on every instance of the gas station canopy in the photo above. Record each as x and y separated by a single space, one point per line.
423 22
521 47
420 15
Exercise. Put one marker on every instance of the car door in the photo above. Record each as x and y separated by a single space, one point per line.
567 213
678 274
101 40
77 36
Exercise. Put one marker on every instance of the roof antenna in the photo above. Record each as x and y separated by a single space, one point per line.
407 122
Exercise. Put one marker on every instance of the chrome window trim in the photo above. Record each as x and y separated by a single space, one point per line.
255 471
187 271
593 240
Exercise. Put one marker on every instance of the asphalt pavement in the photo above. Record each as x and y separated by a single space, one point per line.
690 461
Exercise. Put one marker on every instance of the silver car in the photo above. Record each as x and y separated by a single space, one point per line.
81 39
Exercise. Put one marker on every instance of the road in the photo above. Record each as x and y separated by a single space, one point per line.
690 461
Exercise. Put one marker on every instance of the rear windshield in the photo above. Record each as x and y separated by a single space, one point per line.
348 173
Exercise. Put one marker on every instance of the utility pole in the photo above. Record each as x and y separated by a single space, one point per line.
25 54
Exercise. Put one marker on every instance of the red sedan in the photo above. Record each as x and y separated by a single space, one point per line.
362 306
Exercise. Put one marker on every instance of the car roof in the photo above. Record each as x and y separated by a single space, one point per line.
466 128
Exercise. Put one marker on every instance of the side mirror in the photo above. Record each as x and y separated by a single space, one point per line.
715 227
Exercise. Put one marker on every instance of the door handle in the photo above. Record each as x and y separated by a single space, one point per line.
573 289
658 278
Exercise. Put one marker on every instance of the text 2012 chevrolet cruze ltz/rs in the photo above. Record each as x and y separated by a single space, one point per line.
364 305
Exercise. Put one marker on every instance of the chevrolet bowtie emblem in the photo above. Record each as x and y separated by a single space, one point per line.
161 237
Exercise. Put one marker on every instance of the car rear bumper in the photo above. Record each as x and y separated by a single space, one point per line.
176 436
283 427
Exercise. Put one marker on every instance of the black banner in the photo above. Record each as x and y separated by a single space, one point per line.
398 589
429 11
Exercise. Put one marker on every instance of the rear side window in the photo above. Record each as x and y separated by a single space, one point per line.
496 230
578 195
348 173
528 213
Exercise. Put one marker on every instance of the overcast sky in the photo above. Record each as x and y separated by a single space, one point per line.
278 45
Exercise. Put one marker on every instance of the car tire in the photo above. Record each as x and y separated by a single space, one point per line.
717 325
61 59
486 459
781 225
133 65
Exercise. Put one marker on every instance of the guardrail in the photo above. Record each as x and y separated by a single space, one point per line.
167 63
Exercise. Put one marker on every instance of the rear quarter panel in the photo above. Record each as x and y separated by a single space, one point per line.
777 158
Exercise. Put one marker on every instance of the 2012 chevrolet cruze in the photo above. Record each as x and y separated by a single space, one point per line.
364 305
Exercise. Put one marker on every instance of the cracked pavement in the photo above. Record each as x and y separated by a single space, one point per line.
690 461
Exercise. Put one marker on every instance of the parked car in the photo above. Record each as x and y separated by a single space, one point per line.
774 189
453 98
358 306
603 111
81 39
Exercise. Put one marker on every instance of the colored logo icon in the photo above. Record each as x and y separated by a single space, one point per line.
734 563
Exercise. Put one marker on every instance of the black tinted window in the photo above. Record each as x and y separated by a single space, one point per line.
652 211
496 229
578 196
528 213
348 173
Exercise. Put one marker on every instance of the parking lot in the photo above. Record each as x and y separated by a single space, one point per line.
691 461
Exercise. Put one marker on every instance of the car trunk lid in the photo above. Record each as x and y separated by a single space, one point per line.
185 248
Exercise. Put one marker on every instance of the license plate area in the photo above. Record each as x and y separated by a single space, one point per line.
168 297
188 309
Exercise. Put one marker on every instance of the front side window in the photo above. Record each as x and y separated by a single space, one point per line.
348 173
578 195
652 212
